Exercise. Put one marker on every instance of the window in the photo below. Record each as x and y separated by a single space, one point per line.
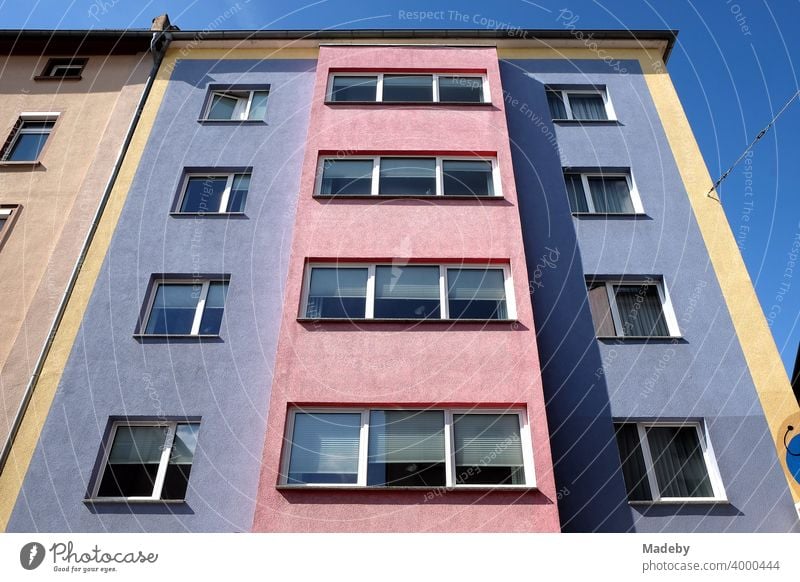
408 292
408 88
66 68
147 461
237 105
579 104
467 177
668 462
186 307
602 193
27 140
407 448
8 213
631 308
213 193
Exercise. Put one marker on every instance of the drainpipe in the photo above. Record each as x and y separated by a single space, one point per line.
162 36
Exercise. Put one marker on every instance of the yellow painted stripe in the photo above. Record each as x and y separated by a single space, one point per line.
186 50
758 345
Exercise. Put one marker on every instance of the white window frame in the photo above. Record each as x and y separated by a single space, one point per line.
444 315
166 453
633 191
666 305
712 468
205 284
224 199
450 471
24 117
487 98
376 175
241 111
565 93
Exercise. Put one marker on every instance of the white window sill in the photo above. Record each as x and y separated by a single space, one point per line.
684 501
403 103
19 164
232 121
127 501
176 335
207 214
586 121
640 338
611 214
398 320
405 197
334 487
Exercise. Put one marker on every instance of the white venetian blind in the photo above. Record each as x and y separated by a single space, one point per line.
406 436
487 439
325 443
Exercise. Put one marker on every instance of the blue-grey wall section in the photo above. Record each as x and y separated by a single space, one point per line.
226 382
588 382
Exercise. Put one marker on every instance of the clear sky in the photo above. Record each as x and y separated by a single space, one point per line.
734 67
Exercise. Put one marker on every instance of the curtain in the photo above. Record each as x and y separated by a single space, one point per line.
610 194
678 461
640 311
407 282
556 104
406 436
634 470
575 193
601 310
587 107
324 445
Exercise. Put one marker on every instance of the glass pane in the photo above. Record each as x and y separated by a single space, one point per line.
678 462
575 193
176 480
468 178
461 89
640 311
27 147
587 106
239 189
133 461
337 292
222 107
634 471
556 105
2 222
407 88
408 177
406 448
325 448
203 193
211 321
488 449
355 88
601 310
610 194
258 105
476 294
346 177
407 292
173 308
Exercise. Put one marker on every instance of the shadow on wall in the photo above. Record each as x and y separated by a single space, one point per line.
585 456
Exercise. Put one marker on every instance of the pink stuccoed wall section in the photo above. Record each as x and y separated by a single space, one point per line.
401 364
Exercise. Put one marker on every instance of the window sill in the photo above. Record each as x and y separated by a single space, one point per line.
417 103
46 78
642 338
610 215
126 501
207 214
587 122
176 336
232 122
398 320
683 501
403 197
461 488
20 164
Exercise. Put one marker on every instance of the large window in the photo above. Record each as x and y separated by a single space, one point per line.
667 462
408 292
631 308
223 193
185 308
148 461
28 137
408 88
602 193
236 104
579 104
408 176
407 448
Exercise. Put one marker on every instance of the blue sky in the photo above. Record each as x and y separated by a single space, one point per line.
732 67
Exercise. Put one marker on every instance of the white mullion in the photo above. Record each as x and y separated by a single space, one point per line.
667 310
565 99
526 439
508 282
166 452
444 311
487 96
379 89
498 187
376 176
615 316
201 303
439 176
587 193
306 289
435 81
648 461
226 194
363 445
610 113
450 453
633 192
248 105
711 462
369 311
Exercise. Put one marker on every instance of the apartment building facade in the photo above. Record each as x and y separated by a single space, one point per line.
409 281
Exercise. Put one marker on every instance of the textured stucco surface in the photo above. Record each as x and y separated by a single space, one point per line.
399 364
586 382
225 382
